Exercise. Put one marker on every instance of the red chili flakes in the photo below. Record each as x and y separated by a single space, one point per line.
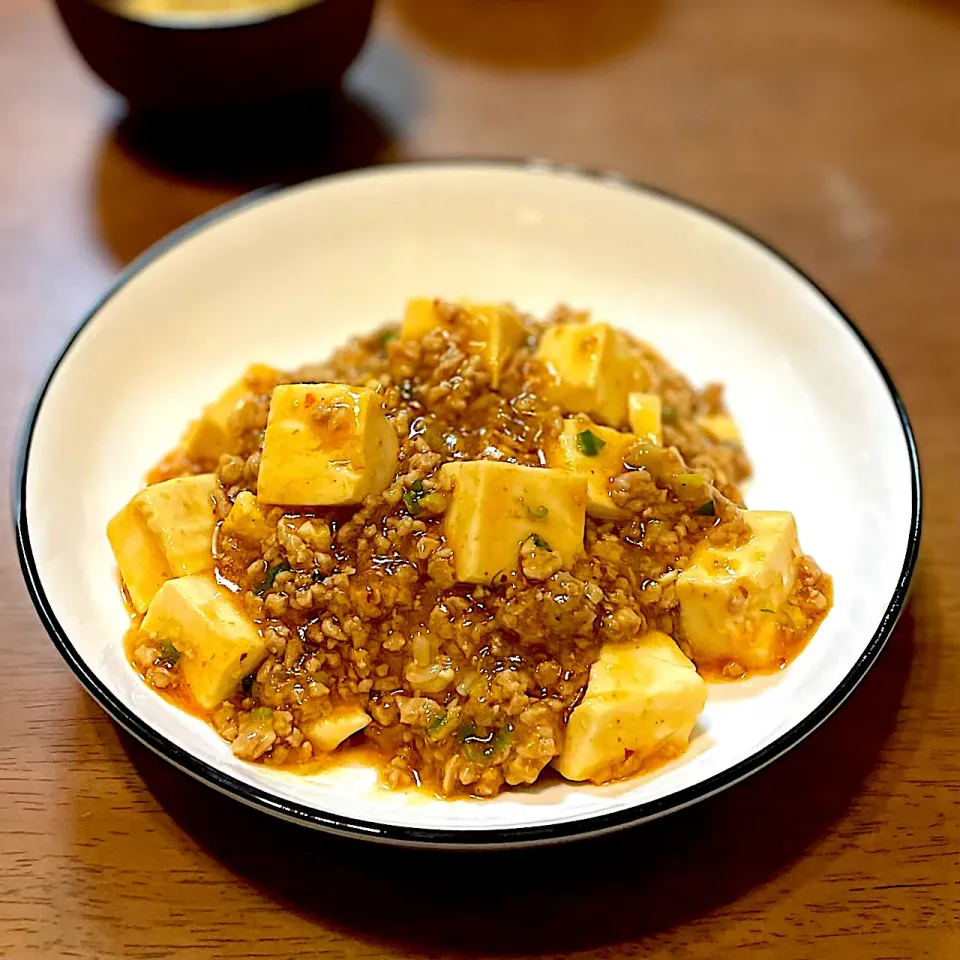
309 400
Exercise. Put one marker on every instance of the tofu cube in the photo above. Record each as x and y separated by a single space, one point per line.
495 331
721 428
420 317
327 733
495 507
590 370
641 703
501 331
597 457
209 437
165 531
219 646
326 444
645 413
246 521
729 597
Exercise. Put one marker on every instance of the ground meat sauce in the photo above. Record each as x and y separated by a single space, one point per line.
468 687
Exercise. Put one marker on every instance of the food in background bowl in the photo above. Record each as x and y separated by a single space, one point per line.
201 9
468 549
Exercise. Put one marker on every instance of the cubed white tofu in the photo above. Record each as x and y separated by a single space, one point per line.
208 438
165 531
590 370
420 318
721 428
246 521
645 413
327 733
495 507
495 330
596 454
218 645
641 703
730 597
326 444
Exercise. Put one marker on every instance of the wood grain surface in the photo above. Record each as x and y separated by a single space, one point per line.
831 128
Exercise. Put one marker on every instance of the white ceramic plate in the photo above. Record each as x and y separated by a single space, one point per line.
286 276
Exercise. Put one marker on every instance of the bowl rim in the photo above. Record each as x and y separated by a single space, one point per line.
452 838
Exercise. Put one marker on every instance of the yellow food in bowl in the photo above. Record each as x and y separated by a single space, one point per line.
185 10
477 545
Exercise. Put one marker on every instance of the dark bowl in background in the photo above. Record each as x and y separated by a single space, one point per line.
176 65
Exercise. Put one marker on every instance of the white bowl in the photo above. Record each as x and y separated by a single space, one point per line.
284 277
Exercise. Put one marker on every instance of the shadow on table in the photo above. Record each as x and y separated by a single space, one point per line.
571 897
153 173
531 34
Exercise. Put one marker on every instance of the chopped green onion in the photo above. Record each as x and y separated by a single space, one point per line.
538 514
169 653
386 337
437 724
272 574
413 496
501 739
483 749
466 731
474 751
589 444
538 541
261 713
669 415
708 509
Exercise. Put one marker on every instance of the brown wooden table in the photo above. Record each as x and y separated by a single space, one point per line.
832 128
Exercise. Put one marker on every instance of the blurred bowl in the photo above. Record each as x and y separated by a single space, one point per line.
189 61
289 276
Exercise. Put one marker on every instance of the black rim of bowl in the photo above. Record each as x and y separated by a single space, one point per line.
494 837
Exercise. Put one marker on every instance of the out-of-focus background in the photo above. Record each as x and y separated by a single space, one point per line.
831 129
